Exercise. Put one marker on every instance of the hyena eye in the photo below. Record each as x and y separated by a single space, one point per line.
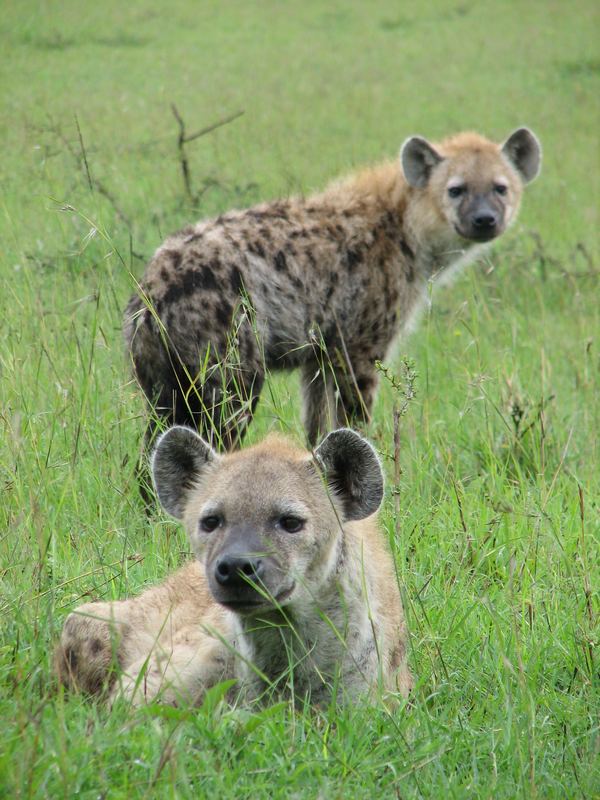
456 191
500 188
291 524
210 523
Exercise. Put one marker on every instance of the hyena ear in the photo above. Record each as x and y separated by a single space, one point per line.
524 152
418 158
179 459
352 472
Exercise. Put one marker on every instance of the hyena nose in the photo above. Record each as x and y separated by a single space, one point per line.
238 570
484 221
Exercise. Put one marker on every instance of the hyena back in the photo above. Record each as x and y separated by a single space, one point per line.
294 588
323 284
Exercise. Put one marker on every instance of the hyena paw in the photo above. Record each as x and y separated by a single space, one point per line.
143 683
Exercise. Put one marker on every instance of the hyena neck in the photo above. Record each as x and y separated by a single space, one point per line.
304 648
381 193
441 260
439 250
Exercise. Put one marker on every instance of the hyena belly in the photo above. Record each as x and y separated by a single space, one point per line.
275 287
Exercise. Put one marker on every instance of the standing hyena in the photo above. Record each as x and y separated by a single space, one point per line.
294 587
328 282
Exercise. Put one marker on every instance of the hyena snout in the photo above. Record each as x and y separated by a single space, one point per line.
483 222
244 583
243 578
236 571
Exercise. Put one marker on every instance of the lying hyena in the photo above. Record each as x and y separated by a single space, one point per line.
327 283
294 587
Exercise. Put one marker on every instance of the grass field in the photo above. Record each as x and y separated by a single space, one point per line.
493 507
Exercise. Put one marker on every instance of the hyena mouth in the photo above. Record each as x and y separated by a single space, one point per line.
248 605
479 236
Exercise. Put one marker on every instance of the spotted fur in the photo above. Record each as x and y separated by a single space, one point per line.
324 284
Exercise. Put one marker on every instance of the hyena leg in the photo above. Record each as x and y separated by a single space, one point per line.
357 391
91 646
179 674
219 404
318 401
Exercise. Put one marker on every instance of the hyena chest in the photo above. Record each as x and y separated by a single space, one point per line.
306 660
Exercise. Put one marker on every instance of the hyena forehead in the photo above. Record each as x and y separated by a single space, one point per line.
479 168
259 481
512 163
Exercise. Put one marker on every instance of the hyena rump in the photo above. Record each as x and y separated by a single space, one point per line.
328 282
294 587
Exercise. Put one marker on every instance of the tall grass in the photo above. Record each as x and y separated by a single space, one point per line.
493 488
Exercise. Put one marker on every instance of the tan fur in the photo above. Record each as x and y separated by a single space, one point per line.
341 626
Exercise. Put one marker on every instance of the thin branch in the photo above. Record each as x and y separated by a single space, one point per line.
185 167
184 139
214 126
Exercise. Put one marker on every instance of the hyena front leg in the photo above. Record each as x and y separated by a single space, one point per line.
179 673
318 401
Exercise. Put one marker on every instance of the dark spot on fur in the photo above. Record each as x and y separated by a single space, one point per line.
95 646
280 262
71 658
172 295
175 257
223 313
164 274
353 258
256 248
235 281
208 278
410 259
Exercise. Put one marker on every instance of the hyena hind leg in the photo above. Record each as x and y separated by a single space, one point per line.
356 396
220 407
319 410
90 647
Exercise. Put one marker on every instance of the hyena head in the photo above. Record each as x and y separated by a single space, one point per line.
471 184
266 522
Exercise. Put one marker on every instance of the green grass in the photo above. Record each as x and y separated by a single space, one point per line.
494 515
